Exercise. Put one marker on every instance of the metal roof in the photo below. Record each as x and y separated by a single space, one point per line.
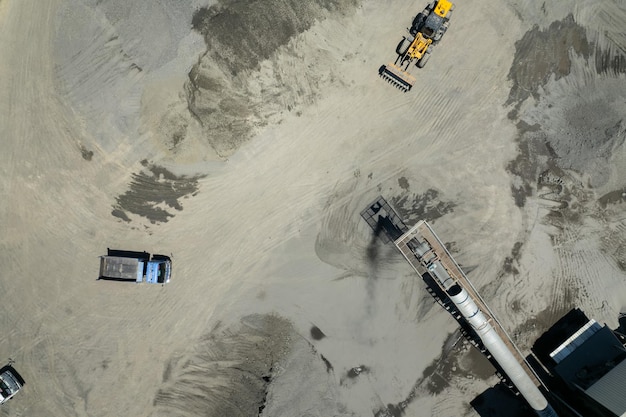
593 359
610 390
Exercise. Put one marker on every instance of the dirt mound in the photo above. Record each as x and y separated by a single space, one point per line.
543 53
241 82
229 372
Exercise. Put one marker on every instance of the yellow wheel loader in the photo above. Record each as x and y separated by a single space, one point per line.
426 31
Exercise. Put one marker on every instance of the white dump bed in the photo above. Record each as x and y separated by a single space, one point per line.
118 267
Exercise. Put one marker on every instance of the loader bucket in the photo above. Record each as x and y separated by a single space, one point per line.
397 76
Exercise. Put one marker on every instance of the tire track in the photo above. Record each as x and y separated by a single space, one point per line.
613 243
579 275
96 74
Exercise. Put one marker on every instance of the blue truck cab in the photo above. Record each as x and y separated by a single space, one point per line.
121 265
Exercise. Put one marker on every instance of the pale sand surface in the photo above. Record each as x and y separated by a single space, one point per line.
276 276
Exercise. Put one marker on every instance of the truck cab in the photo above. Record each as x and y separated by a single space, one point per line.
159 270
10 383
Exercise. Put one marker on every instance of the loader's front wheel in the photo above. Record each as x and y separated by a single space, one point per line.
403 46
423 60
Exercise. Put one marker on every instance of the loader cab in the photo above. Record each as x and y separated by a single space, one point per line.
432 25
432 22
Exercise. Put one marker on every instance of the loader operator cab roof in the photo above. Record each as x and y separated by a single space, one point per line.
432 24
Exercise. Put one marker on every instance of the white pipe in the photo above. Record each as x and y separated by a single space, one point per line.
498 349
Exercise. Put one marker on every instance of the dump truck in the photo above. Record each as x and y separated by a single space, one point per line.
121 265
10 383
427 29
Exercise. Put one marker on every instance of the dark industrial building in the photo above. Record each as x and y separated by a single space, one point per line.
586 366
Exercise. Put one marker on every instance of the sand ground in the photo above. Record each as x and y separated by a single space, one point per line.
123 127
